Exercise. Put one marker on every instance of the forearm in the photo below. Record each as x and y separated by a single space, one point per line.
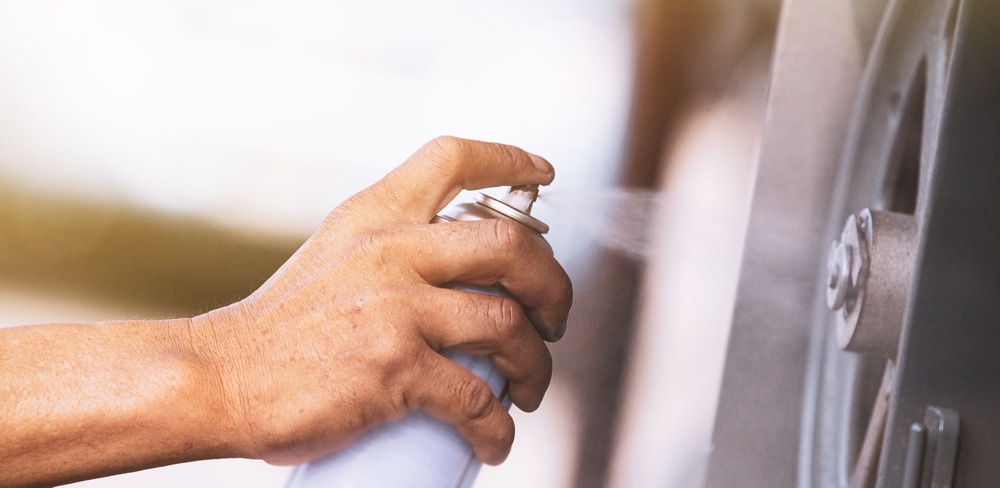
79 401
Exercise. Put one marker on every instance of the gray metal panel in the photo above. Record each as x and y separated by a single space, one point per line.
951 347
817 64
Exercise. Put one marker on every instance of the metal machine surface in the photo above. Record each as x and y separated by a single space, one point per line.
871 362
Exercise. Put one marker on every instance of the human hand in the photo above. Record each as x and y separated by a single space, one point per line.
346 334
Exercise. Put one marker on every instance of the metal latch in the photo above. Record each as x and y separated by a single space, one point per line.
932 450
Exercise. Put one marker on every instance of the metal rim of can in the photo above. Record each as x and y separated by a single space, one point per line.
511 213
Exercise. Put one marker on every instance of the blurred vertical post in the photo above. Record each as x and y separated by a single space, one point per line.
603 332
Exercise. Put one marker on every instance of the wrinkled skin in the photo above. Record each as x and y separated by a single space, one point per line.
343 337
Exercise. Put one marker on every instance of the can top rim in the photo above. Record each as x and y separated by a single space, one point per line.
511 213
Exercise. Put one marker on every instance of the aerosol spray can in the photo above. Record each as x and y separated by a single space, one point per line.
420 451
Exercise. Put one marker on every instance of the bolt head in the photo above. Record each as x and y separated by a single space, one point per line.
839 275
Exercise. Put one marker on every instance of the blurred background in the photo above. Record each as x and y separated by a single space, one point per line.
163 158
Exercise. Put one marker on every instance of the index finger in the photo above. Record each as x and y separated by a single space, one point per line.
429 179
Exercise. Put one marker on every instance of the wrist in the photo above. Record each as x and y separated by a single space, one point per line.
222 363
210 421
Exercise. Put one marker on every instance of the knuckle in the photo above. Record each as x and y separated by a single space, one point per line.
502 315
379 242
445 149
503 234
384 357
396 363
370 248
370 242
475 400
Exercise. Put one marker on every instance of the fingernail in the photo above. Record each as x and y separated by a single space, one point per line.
559 332
536 320
540 163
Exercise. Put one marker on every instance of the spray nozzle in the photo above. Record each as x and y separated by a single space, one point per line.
516 205
521 197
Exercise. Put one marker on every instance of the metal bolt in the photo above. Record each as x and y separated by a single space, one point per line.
839 270
847 264
868 280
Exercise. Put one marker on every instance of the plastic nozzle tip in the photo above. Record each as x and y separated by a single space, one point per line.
521 197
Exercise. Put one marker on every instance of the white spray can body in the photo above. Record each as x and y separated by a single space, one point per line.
420 451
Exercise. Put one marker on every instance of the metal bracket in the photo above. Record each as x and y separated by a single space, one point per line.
932 450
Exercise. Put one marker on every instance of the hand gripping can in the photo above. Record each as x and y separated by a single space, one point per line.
420 451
